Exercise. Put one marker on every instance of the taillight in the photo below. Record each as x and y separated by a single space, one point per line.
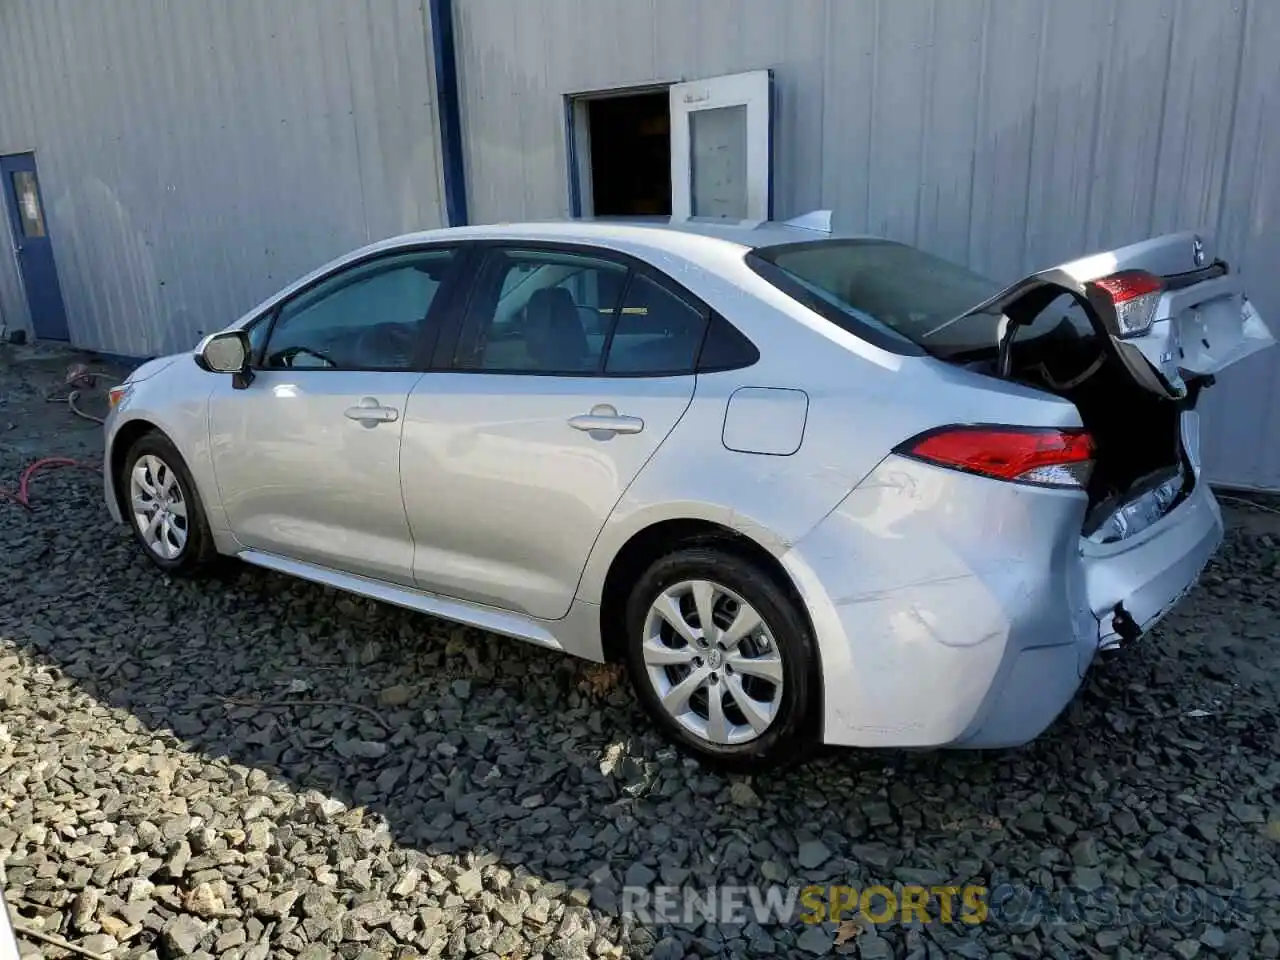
1135 294
1047 457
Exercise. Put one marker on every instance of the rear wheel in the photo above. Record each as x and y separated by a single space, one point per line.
721 659
163 507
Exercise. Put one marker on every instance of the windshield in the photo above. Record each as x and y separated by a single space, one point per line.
887 287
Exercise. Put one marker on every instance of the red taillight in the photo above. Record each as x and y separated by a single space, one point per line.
1123 287
1044 456
1134 293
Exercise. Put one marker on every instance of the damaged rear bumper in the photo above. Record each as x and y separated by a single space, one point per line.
952 610
1133 583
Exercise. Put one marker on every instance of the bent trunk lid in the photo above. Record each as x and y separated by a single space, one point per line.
1201 323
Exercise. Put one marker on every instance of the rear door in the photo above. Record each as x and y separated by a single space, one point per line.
572 368
1172 313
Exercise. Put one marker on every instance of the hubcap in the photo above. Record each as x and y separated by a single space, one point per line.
159 506
712 662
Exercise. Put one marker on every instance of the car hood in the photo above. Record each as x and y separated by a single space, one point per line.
152 367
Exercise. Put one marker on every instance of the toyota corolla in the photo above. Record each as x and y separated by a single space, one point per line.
807 487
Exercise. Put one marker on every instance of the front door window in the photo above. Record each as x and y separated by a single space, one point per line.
369 317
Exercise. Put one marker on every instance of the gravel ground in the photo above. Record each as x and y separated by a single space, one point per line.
257 767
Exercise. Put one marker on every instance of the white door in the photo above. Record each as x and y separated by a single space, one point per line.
720 147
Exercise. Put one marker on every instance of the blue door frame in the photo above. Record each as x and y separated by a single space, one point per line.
29 229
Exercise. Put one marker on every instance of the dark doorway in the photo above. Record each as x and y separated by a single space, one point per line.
630 144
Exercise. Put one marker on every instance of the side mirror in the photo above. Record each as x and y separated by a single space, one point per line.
227 352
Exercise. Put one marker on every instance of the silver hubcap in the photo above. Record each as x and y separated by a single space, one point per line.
712 662
159 506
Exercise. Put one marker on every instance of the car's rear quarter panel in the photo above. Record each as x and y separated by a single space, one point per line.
922 585
929 588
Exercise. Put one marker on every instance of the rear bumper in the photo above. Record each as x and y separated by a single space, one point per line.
952 610
1149 573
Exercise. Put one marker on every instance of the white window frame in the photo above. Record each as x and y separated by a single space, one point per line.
752 90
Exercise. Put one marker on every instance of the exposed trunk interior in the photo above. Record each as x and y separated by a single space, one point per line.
1130 336
1137 433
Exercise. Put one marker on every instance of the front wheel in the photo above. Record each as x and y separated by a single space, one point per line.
163 507
722 659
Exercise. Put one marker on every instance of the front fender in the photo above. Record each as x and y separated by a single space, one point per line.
175 401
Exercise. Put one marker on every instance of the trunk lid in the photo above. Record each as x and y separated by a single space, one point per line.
1171 313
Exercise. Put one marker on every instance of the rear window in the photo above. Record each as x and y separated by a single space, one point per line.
889 293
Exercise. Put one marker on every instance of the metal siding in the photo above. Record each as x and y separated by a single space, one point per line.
196 157
1006 134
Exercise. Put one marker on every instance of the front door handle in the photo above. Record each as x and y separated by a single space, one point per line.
370 413
605 420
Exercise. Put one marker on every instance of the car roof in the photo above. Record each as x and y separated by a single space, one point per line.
716 245
670 235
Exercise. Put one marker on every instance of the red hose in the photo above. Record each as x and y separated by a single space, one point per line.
23 495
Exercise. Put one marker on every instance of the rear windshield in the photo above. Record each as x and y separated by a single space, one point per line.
886 292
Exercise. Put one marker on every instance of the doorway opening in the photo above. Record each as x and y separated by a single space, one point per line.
623 152
698 149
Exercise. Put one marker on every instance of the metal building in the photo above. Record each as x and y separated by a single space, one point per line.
194 157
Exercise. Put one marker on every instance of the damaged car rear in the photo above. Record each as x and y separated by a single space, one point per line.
1047 537
807 487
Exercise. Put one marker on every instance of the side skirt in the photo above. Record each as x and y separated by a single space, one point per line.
503 622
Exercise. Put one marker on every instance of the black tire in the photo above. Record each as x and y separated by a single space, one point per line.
197 555
792 733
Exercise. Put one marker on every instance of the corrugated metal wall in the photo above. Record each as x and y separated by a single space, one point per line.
195 157
1006 134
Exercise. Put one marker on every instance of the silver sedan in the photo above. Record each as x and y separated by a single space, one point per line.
807 487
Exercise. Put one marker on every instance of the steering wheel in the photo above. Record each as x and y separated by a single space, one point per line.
284 358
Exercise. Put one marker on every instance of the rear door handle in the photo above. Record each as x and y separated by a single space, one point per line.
371 413
603 418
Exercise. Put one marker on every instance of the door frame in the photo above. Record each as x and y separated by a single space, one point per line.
26 162
577 125
722 90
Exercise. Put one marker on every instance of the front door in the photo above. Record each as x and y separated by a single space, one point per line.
574 367
31 246
307 457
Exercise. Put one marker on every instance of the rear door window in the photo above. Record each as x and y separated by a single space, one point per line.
542 311
657 332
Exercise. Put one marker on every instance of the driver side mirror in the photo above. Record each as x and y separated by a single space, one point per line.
227 352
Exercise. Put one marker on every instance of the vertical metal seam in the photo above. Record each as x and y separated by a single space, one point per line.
355 123
873 92
444 64
822 108
1231 120
1037 89
926 122
979 127
1096 139
1164 114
